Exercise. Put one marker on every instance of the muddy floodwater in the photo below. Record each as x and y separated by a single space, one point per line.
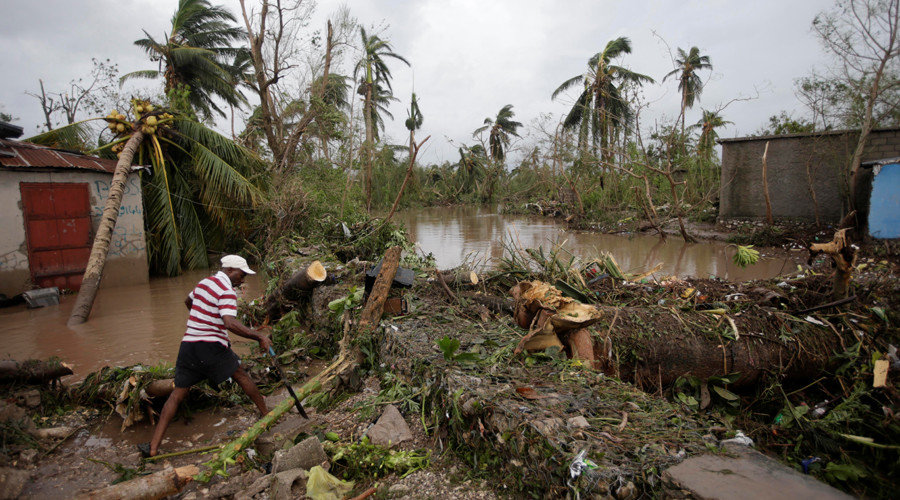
128 325
476 235
145 323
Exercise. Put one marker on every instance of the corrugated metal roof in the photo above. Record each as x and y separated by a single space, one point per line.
18 154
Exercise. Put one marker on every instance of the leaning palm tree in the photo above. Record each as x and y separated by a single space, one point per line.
374 79
198 53
708 124
501 128
200 181
601 109
689 83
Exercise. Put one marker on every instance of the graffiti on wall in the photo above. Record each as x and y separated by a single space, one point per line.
128 236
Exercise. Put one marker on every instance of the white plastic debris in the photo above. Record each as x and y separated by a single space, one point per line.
579 464
739 438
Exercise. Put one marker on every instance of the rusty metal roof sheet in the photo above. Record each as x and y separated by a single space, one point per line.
18 154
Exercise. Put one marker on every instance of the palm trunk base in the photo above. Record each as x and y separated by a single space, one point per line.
85 300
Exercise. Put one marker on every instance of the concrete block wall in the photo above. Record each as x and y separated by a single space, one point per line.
808 174
127 258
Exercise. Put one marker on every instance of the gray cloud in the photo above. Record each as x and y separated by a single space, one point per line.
469 58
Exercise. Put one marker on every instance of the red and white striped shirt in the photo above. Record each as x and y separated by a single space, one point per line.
211 300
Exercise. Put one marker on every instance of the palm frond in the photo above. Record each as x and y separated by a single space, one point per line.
74 137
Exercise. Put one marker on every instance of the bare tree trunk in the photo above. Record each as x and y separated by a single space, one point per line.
94 271
46 106
765 179
414 151
369 146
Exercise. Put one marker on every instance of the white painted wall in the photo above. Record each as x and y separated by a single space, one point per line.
127 259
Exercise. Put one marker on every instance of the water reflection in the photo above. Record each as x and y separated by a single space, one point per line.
454 234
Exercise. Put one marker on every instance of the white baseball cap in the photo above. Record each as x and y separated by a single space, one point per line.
237 262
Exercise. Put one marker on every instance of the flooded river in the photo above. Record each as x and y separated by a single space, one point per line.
475 234
145 323
128 325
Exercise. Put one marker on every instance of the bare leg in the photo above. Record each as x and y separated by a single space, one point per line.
165 417
243 380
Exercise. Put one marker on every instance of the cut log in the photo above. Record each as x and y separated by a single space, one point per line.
160 388
305 279
157 485
53 432
843 253
32 371
460 277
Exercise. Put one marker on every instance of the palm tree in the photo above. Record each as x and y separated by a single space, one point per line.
689 83
708 124
501 128
470 168
414 120
374 85
600 109
200 183
198 53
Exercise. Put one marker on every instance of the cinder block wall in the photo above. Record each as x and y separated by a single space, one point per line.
808 175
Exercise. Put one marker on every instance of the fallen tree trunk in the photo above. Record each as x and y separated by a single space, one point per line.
653 345
157 485
347 362
459 277
32 371
657 345
492 302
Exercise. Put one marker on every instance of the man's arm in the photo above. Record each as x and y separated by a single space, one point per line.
238 328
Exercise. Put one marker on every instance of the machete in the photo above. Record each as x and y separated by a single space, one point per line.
287 385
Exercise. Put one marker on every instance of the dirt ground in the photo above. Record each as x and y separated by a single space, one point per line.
98 453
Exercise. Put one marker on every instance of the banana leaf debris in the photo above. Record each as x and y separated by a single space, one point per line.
545 376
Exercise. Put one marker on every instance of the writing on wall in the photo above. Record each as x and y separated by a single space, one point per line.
128 235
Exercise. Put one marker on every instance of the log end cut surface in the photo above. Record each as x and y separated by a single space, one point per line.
316 272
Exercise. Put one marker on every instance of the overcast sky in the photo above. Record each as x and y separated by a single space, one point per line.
469 58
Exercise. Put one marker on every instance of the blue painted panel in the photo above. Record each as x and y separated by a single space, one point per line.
884 214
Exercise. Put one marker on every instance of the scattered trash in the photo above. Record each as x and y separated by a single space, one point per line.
807 462
579 464
320 485
739 438
42 297
880 375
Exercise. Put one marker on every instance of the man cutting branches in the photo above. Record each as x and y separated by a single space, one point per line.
205 352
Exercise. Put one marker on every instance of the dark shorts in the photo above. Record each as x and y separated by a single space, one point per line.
210 361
